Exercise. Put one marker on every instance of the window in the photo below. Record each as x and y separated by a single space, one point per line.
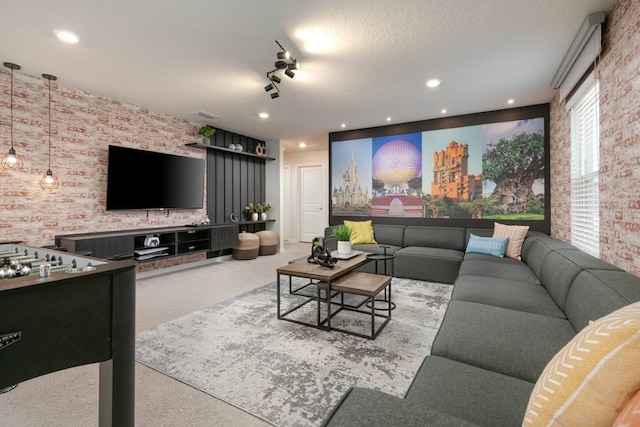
585 164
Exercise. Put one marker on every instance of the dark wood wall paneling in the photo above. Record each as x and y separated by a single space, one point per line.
233 179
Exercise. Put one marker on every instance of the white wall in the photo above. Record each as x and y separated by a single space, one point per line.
298 159
273 187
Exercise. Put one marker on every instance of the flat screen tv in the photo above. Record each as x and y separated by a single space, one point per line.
147 180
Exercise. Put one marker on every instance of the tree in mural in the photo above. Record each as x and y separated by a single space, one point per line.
415 183
514 164
377 184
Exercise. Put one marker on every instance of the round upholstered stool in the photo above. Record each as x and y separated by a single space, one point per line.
248 246
268 242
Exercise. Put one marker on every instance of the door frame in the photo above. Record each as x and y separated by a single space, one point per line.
323 196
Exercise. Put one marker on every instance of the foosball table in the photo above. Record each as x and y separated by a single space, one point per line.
59 310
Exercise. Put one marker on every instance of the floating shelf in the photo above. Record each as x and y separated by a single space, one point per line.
253 222
226 150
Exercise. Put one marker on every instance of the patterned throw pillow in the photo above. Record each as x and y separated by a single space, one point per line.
361 232
487 245
630 415
516 235
590 380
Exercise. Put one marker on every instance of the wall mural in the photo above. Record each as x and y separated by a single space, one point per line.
486 171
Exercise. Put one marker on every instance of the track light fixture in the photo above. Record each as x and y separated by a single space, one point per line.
284 62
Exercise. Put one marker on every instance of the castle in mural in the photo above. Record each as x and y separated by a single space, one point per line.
350 194
451 174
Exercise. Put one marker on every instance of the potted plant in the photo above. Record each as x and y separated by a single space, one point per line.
252 211
264 208
342 233
207 132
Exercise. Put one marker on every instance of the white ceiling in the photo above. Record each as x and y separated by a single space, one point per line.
369 61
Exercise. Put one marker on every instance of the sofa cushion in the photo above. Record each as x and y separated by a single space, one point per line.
487 245
473 394
483 232
376 248
507 341
596 293
590 380
586 261
361 407
541 245
389 234
506 293
557 274
504 268
532 236
561 266
435 237
516 235
429 264
361 232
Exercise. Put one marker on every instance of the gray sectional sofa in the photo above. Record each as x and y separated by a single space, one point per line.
424 253
506 320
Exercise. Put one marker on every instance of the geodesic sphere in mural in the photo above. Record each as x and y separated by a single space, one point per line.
396 162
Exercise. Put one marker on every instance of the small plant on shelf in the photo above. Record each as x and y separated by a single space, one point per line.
264 207
207 131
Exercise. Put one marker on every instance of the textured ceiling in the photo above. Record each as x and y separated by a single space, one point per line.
361 60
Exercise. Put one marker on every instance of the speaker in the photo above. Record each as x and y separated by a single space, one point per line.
151 241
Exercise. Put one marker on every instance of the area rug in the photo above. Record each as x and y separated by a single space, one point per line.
290 374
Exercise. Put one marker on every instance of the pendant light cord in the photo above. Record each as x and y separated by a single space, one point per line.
11 97
50 78
49 124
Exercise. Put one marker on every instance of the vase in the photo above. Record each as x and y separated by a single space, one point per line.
263 216
344 247
254 216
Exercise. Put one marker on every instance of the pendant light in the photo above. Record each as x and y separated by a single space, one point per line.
49 181
11 160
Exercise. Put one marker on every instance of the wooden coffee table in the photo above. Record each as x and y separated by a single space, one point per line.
340 280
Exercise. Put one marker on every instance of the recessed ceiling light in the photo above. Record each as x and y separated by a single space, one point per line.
433 83
264 115
443 111
343 125
511 101
66 36
388 119
302 145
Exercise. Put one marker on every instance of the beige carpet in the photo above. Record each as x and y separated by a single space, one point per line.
70 398
289 374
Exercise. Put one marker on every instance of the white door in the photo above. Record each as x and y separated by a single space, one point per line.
311 202
286 203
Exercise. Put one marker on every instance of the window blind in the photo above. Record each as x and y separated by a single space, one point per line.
585 165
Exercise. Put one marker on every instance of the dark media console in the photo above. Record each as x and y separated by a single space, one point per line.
153 243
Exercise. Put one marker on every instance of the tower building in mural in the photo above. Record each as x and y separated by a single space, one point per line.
349 194
451 174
